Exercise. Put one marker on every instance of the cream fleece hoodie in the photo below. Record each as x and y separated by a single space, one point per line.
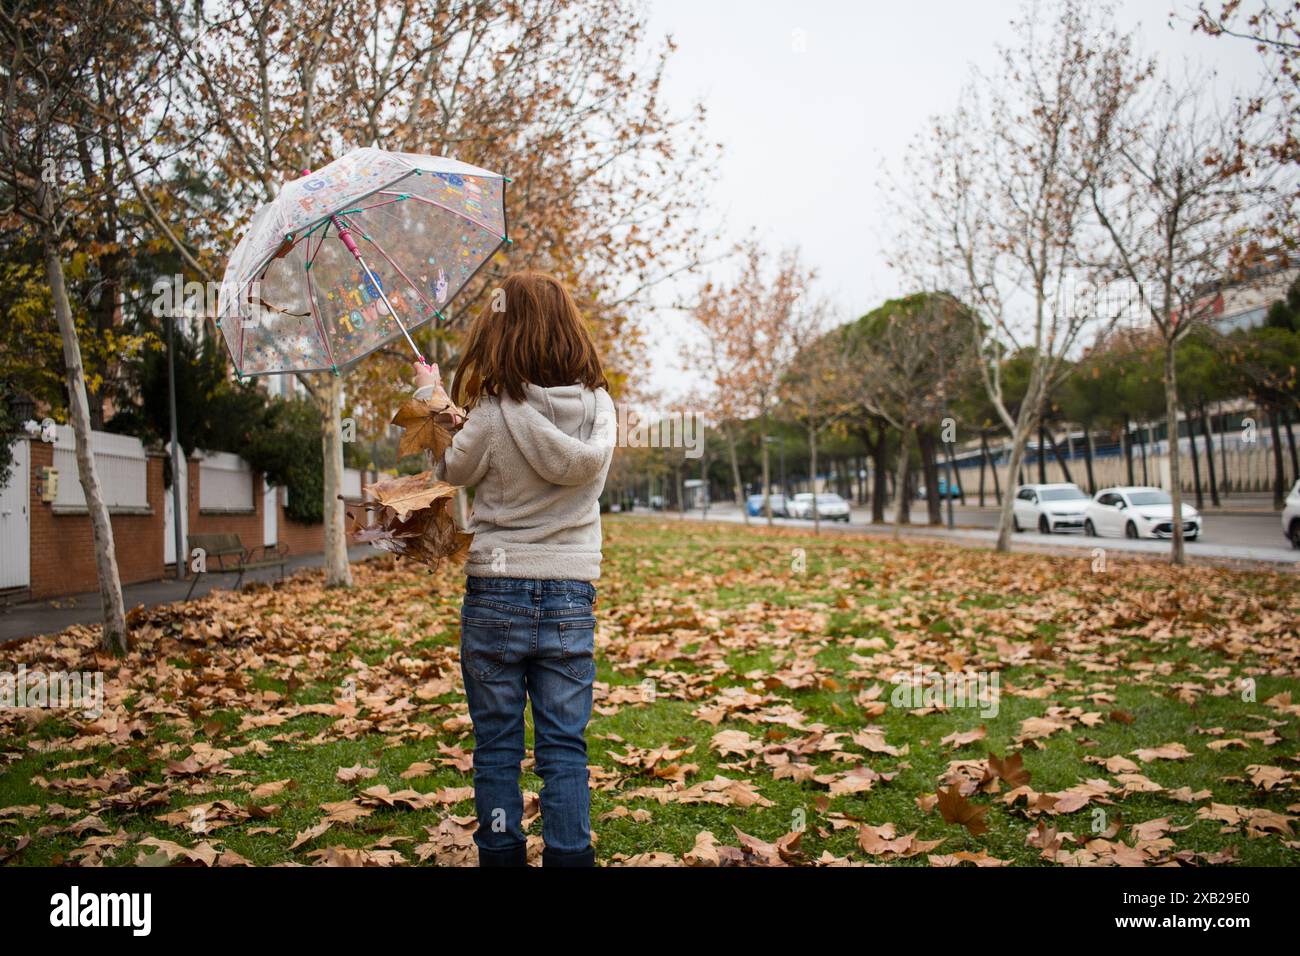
538 468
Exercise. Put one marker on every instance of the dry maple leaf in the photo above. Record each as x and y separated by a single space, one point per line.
1011 770
428 424
1267 777
957 809
355 772
202 855
961 738
964 856
783 852
885 841
1173 751
410 492
705 851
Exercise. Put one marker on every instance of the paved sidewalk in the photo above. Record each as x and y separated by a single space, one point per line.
52 616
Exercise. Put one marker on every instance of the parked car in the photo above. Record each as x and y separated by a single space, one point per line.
944 491
1137 512
1291 516
1049 508
780 509
830 507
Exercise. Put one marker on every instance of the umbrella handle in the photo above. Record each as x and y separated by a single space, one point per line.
346 235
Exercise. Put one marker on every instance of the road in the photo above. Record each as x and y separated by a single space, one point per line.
1227 537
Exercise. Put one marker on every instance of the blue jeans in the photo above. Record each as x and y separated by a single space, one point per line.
534 638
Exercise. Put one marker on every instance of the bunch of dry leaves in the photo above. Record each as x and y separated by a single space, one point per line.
412 515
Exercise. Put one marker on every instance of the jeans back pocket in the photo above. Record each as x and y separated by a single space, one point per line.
578 646
483 645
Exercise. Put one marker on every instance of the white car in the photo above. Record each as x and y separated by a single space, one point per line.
1049 508
1291 516
830 507
1137 512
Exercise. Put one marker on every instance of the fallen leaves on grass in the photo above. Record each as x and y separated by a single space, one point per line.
733 687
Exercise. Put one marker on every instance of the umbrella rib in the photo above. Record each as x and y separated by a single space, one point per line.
345 234
386 202
239 364
311 297
445 208
416 288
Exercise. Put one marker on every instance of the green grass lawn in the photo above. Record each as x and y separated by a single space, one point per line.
1155 711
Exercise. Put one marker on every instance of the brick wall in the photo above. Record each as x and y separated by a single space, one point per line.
63 550
310 538
246 524
299 537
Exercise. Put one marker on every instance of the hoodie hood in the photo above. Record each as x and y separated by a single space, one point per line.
565 432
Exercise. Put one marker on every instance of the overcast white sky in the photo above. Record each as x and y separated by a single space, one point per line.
805 134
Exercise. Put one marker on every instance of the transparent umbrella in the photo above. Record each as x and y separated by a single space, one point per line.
355 255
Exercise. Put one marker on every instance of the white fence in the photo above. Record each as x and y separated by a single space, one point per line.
351 483
225 482
121 463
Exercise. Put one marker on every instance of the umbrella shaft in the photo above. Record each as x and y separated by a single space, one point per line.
351 244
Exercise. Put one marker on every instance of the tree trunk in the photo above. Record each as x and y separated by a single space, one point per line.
900 482
1126 442
113 636
1040 454
1175 479
812 460
1019 439
879 475
767 470
706 485
997 483
930 471
1209 457
1290 442
1142 447
1087 461
338 572
955 472
984 460
1223 451
738 490
1196 463
1060 459
1279 476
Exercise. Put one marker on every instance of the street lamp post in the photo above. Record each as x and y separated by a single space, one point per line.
177 532
947 445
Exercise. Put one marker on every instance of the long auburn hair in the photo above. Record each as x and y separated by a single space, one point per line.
539 338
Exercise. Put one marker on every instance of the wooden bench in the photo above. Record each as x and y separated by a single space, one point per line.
232 557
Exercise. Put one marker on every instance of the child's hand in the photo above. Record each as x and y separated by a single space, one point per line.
427 375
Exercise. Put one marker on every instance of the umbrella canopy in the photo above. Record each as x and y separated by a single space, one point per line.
354 255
